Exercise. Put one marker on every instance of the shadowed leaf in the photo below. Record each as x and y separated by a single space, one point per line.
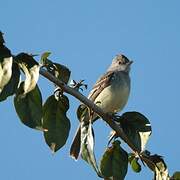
56 122
157 165
29 108
137 127
120 162
58 70
176 176
114 162
1 38
106 163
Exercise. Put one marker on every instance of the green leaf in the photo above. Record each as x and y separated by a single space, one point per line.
137 128
1 39
81 111
131 156
136 167
114 162
176 176
56 122
62 72
31 70
157 165
44 57
29 108
106 163
12 85
119 162
58 70
6 61
87 145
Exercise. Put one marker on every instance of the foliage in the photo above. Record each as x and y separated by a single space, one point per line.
51 117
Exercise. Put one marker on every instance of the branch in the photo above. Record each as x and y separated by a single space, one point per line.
91 105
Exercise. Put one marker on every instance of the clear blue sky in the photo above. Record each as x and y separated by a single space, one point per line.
85 35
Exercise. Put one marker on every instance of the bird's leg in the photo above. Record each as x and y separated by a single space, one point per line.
113 135
114 116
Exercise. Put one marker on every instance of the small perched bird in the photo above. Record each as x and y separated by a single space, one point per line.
110 93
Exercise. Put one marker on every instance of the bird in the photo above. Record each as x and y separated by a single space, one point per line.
110 93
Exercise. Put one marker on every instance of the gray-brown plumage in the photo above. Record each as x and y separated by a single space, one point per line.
110 93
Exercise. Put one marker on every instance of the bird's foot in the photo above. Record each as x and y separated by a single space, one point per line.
114 116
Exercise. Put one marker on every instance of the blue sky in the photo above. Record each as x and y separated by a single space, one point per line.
85 35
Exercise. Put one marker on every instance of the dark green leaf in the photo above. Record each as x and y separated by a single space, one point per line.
12 85
119 162
31 70
1 39
6 61
176 176
81 111
56 122
62 72
106 163
58 70
137 127
29 108
114 162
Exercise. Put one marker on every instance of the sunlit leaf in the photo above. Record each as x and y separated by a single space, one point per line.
136 167
56 122
12 85
31 70
44 57
29 108
87 145
6 61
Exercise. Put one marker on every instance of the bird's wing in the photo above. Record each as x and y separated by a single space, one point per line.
102 82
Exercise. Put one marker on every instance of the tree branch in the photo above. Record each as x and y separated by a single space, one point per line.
91 105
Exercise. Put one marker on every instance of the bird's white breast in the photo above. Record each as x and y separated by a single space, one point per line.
113 98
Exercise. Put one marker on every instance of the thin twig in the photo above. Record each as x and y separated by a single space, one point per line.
91 105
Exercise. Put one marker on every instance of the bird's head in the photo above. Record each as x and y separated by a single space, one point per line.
120 63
